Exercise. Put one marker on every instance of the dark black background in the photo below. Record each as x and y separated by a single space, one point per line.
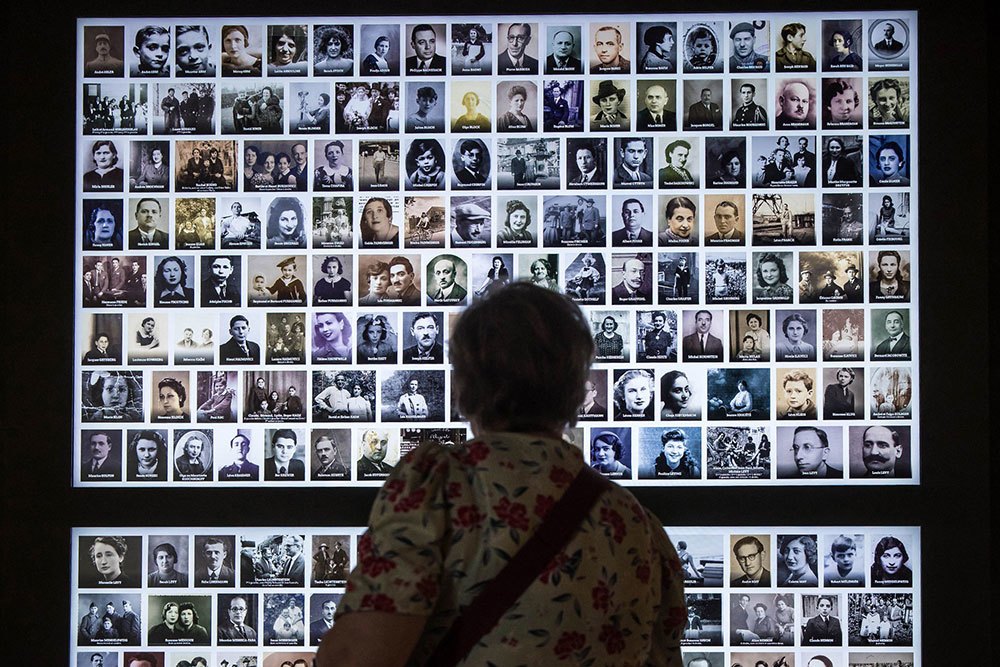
952 503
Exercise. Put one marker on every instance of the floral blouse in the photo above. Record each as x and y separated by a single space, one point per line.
447 521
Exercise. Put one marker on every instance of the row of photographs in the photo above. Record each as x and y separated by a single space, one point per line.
343 338
607 45
187 558
282 618
632 278
111 568
632 163
467 221
882 452
302 658
513 106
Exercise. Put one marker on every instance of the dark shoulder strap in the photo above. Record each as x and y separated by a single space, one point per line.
497 596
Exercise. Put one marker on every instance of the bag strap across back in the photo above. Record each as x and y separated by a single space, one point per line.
501 592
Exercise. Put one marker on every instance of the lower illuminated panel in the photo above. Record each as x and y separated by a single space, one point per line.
250 597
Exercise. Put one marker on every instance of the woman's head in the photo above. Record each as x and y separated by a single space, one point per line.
287 44
518 215
517 96
470 100
731 164
194 445
285 217
284 163
336 43
680 213
675 390
382 45
674 444
523 336
375 328
377 274
798 551
250 154
332 266
103 228
771 270
111 389
235 39
108 554
541 269
890 555
633 391
334 151
606 448
330 328
105 154
147 448
171 272
172 396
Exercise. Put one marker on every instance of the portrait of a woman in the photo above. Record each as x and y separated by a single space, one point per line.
676 459
287 51
376 340
676 394
633 395
286 222
331 337
107 553
335 53
170 284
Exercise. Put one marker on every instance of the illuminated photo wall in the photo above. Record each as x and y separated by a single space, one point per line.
279 221
842 596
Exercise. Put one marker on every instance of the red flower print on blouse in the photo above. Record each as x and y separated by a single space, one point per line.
560 476
474 452
378 602
515 514
543 504
468 515
613 518
410 502
393 488
454 490
676 618
601 596
371 564
428 587
568 643
642 571
613 640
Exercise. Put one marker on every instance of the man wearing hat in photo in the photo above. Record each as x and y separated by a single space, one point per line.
470 221
105 63
609 98
853 286
830 289
744 59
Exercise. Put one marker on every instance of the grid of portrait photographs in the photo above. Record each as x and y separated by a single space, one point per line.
790 596
279 222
